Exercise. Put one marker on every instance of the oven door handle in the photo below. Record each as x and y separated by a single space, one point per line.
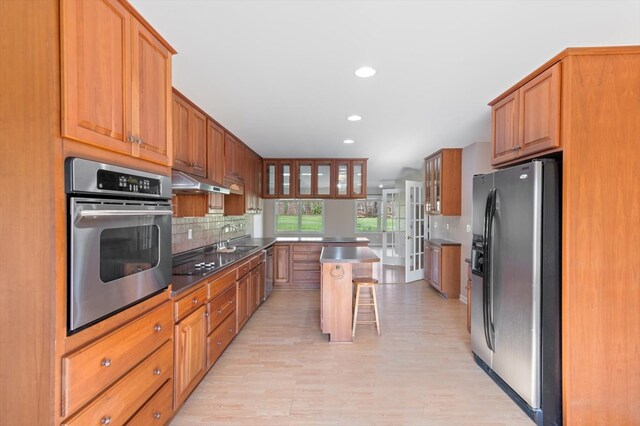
106 213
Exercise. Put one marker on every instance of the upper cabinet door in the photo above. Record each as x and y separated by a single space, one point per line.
286 181
96 70
270 184
198 142
504 121
180 129
358 179
324 178
151 101
116 80
343 179
304 178
540 112
215 152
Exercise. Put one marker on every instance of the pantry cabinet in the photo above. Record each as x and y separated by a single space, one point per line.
190 131
443 182
116 74
526 122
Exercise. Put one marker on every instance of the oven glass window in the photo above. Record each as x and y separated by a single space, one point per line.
127 251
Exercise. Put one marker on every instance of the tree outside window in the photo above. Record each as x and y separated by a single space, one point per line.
368 215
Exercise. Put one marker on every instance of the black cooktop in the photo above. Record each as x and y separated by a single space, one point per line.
204 263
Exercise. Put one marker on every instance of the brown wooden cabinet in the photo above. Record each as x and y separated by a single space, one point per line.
443 182
252 182
190 354
526 122
243 305
314 178
281 260
234 152
189 136
215 162
116 94
442 267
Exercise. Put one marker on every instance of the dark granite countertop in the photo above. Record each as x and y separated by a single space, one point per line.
183 283
348 255
440 242
322 240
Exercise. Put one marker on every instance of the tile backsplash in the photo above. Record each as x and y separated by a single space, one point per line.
204 231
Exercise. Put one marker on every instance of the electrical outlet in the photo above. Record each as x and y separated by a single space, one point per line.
447 226
468 228
435 224
189 234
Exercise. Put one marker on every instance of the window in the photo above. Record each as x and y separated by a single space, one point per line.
299 216
368 215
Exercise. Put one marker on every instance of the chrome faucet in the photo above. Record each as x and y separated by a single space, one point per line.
222 229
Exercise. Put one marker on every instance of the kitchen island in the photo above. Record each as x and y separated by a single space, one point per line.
339 266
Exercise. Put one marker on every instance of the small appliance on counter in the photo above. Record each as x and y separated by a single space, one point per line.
515 292
119 238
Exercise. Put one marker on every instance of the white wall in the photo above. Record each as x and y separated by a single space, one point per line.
476 159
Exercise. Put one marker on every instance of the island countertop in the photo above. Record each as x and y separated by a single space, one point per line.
348 255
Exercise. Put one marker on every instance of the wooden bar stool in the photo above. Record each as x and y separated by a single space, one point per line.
362 299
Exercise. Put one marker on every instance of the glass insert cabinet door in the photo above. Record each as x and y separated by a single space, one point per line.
342 179
358 173
305 175
285 179
323 179
270 177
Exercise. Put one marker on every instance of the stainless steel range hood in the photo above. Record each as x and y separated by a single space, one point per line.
184 183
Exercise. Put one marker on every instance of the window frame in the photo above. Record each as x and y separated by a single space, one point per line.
379 215
299 231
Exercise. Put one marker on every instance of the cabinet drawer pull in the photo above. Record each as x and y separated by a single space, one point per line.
231 330
230 301
219 343
106 363
105 420
219 311
157 372
195 301
157 415
157 328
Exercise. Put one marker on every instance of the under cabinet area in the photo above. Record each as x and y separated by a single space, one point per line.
130 73
442 267
443 182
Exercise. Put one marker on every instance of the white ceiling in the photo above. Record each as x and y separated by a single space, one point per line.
279 74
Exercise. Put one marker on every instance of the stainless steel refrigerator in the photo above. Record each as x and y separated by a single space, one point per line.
515 289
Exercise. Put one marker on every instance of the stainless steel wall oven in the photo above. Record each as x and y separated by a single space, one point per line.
119 239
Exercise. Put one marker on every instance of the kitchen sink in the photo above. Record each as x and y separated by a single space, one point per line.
236 249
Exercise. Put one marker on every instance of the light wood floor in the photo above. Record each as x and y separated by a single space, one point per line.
280 370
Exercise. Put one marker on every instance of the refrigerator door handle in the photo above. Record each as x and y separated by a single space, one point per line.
487 296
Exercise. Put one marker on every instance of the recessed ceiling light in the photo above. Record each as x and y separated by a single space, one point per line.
381 186
348 141
365 72
354 118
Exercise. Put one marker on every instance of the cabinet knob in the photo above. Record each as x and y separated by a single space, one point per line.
206 314
140 141
106 363
105 420
195 300
157 372
219 311
157 328
131 138
231 330
219 343
157 415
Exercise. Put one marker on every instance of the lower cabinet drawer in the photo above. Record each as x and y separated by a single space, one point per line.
218 341
123 399
221 307
90 369
302 266
158 410
306 276
306 257
307 248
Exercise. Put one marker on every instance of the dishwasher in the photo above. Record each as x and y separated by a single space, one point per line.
268 284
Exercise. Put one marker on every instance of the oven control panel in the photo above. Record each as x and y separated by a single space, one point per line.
124 182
